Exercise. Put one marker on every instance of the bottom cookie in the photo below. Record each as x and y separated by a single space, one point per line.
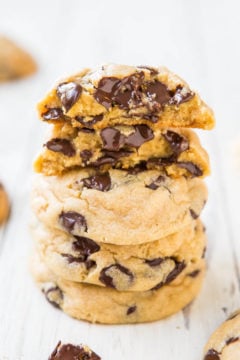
109 306
224 344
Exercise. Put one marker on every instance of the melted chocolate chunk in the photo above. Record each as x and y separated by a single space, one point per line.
154 262
177 142
117 154
157 93
142 134
193 214
105 91
181 95
192 168
179 267
68 94
63 146
86 155
72 220
152 70
89 123
101 182
85 246
51 293
162 161
79 259
194 273
104 160
112 139
72 352
128 92
232 340
108 280
53 114
142 166
212 355
156 183
131 309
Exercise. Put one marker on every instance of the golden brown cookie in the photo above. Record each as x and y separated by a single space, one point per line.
14 61
177 151
127 95
109 306
4 205
124 268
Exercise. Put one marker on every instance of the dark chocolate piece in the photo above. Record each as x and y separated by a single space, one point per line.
192 168
63 146
142 134
53 114
89 123
108 280
85 246
154 262
131 309
72 220
156 183
72 352
177 142
79 259
212 355
232 340
104 160
50 293
86 155
158 95
112 139
101 182
194 273
68 94
193 214
179 266
181 96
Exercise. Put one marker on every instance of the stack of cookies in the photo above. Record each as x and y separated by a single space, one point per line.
119 193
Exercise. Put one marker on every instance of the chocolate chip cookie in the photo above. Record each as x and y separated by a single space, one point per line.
4 205
14 61
107 305
126 95
124 268
224 344
118 207
177 151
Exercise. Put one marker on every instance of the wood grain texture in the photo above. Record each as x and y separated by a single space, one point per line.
198 40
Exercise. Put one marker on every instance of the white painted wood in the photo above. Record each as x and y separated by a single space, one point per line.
197 39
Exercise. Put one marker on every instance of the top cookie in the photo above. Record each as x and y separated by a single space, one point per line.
126 95
224 344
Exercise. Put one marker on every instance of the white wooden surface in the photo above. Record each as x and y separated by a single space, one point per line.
200 41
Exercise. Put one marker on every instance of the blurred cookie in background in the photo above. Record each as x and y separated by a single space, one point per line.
15 62
4 205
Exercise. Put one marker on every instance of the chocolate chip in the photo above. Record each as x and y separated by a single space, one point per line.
68 94
71 220
153 71
181 95
86 155
156 183
54 296
212 355
192 168
157 93
179 266
86 130
79 259
141 135
108 280
101 182
85 245
89 123
162 161
104 160
112 139
72 352
131 309
177 142
232 340
63 146
193 214
194 273
142 166
105 91
53 114
154 262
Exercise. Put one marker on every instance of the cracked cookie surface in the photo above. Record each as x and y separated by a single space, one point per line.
117 207
126 95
